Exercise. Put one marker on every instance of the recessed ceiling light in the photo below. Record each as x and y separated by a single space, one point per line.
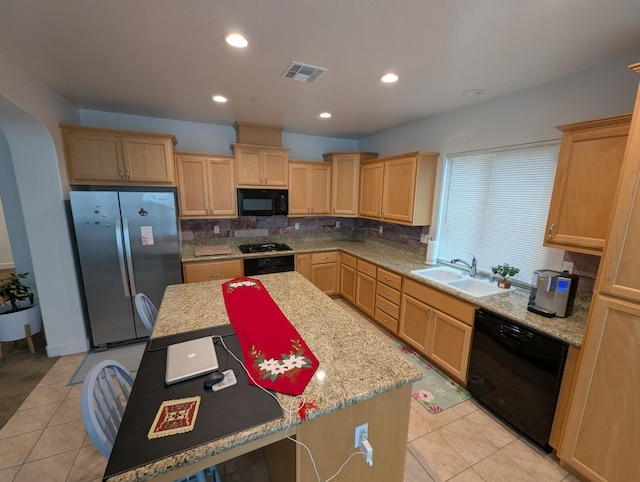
219 98
236 40
389 78
473 92
325 115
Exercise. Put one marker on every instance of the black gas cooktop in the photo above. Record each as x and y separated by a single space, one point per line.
261 248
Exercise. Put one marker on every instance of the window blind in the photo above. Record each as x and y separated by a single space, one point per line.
495 205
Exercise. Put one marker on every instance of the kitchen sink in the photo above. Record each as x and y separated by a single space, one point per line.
438 274
475 287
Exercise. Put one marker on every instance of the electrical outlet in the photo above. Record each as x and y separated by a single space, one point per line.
216 230
567 266
381 230
360 431
424 238
337 224
296 226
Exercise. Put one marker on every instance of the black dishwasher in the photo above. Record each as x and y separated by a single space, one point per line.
516 372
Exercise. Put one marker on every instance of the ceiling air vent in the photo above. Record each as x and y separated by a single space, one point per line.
303 72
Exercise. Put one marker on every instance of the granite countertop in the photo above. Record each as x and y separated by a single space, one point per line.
355 365
403 259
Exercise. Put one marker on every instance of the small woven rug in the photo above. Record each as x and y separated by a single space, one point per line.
435 390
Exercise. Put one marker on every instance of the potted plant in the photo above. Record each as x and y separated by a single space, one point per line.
15 318
505 272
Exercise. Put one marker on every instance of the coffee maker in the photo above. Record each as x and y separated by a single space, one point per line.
552 293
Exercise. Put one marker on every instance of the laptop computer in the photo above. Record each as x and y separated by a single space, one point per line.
190 359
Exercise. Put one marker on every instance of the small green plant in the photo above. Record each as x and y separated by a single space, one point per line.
13 291
505 271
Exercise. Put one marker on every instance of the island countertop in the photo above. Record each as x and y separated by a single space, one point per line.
355 365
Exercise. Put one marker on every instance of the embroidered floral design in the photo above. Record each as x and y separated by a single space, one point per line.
239 284
288 365
304 408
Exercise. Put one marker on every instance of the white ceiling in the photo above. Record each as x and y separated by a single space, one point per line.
165 58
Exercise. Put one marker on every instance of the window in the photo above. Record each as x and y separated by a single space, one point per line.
495 205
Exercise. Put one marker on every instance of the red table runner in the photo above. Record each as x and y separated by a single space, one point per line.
274 353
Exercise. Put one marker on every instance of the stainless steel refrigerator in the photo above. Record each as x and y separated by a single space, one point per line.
127 244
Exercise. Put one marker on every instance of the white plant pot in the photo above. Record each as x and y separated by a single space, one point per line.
12 324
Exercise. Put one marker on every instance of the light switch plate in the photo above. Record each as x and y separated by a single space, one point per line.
216 229
296 226
567 266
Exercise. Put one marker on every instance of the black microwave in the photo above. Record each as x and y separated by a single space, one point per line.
263 202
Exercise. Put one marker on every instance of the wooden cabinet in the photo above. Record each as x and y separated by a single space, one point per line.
212 270
113 157
600 440
366 287
387 310
324 271
261 166
309 188
399 189
345 180
206 186
321 269
348 265
438 325
589 164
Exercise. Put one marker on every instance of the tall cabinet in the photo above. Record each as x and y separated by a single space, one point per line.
601 438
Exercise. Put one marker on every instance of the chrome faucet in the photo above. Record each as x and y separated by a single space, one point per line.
472 267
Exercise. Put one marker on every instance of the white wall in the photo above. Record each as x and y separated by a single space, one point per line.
211 138
29 118
6 257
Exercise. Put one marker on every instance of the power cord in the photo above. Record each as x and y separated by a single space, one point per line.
290 413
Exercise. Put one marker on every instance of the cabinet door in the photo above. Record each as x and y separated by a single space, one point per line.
93 157
148 159
192 186
370 204
325 277
601 436
248 167
399 189
210 271
415 323
320 189
223 202
275 169
586 180
303 265
344 186
365 293
299 190
348 283
450 345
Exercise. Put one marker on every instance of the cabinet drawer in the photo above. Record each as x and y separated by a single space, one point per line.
194 272
349 260
328 257
442 301
390 279
389 308
386 292
387 321
367 268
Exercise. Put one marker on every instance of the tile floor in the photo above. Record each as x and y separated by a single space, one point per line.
46 440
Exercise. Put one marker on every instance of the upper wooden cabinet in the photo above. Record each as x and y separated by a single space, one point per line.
345 179
309 188
399 189
206 186
113 157
587 176
261 166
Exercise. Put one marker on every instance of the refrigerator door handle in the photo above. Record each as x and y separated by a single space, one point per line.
123 273
127 246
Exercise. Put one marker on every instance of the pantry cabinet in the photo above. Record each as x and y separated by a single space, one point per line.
345 180
206 187
600 440
399 189
212 270
309 188
261 166
438 325
589 164
114 157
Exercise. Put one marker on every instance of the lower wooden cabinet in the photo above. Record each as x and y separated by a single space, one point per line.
366 287
303 265
387 311
348 277
321 269
213 270
438 325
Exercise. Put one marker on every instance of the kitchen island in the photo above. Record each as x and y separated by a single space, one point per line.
360 380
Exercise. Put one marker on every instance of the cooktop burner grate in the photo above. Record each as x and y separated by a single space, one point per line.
261 248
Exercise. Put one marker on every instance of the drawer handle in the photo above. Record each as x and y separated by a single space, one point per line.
387 293
386 278
214 275
550 235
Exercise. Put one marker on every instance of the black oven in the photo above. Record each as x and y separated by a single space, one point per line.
263 202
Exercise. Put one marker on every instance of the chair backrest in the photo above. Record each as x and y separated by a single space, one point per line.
105 394
147 312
